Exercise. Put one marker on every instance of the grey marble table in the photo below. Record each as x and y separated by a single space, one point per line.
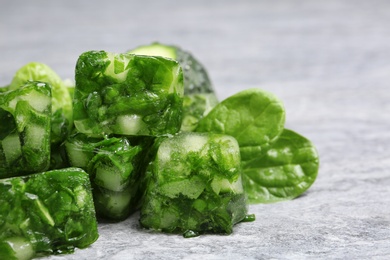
329 61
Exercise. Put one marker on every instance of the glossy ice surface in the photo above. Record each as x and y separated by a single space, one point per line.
25 115
46 213
194 185
127 94
113 166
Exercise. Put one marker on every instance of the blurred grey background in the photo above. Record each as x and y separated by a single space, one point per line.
242 43
329 61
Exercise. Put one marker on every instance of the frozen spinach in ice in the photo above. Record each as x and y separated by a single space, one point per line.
62 112
46 213
113 166
25 129
193 185
196 79
127 94
199 95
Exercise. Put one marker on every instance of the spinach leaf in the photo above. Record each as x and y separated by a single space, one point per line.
278 164
254 117
284 172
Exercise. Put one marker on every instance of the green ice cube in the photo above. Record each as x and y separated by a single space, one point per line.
25 129
127 94
194 183
46 213
112 164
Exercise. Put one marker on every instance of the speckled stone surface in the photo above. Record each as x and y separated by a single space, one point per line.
329 61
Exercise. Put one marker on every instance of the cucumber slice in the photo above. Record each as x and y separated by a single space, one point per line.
19 247
77 156
12 148
156 49
34 135
110 178
220 185
113 205
190 188
129 125
37 100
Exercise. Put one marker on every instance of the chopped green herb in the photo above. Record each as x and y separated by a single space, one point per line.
25 129
196 79
127 94
113 166
194 184
62 112
46 213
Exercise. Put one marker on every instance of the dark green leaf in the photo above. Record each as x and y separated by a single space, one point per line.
254 117
284 172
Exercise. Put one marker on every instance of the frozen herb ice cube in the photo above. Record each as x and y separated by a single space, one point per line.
62 112
194 183
46 213
25 129
196 79
127 94
112 164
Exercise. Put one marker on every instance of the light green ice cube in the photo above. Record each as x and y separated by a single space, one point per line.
194 184
46 213
127 94
113 166
25 129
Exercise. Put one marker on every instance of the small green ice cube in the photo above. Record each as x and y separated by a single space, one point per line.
46 213
112 164
25 129
127 94
194 183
